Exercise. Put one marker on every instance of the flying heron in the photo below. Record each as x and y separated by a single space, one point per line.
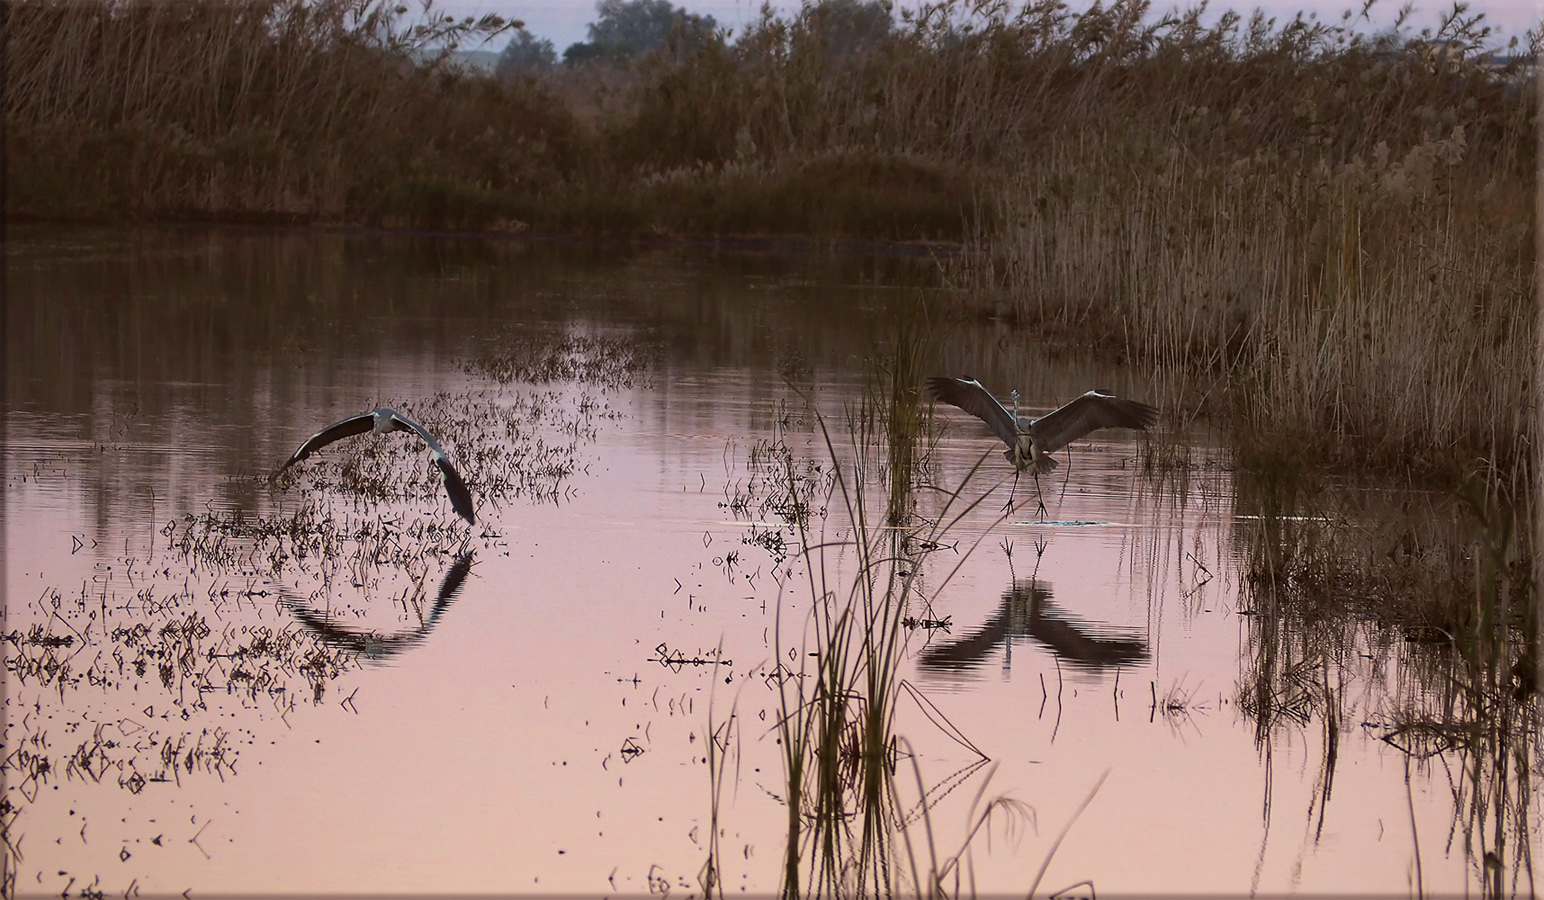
1031 441
382 421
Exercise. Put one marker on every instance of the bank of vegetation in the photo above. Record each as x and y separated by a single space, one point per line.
1323 234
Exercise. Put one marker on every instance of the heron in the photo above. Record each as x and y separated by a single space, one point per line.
381 421
1032 441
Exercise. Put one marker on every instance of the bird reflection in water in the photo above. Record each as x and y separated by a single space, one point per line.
374 645
1028 610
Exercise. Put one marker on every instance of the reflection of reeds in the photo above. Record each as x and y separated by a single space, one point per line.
1439 593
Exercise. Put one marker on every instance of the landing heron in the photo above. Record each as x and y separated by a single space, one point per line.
1031 441
382 421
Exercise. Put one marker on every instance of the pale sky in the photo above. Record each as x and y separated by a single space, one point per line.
563 21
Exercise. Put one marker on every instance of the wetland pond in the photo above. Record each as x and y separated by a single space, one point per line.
331 683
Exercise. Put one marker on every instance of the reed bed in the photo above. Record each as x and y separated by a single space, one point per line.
258 109
1334 226
1372 313
1338 229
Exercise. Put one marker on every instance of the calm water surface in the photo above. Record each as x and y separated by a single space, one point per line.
408 704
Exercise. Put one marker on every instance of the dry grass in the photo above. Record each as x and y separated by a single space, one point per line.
1339 230
1336 229
1373 312
278 109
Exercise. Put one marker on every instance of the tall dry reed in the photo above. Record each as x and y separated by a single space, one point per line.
1336 229
1332 227
257 108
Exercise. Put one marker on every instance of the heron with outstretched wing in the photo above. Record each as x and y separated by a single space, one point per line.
1031 441
381 421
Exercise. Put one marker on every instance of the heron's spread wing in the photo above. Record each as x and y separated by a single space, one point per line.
400 422
337 431
969 395
460 497
1090 412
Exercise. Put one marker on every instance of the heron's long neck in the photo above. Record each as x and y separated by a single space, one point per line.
1014 394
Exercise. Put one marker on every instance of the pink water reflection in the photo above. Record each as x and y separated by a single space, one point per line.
501 753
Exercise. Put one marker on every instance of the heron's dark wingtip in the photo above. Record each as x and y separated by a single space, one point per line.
938 385
1147 415
460 497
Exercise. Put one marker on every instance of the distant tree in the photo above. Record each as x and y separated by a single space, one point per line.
526 53
849 26
628 28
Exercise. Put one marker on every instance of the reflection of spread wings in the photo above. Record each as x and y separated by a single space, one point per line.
380 646
1027 610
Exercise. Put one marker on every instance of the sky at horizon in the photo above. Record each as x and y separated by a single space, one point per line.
563 21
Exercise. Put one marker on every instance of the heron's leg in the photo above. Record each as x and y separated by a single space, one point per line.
1041 494
1008 507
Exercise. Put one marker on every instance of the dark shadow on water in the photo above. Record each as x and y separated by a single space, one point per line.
373 645
1027 610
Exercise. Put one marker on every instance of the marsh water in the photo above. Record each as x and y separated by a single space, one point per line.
331 683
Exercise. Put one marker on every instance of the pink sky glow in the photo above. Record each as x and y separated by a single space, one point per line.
563 21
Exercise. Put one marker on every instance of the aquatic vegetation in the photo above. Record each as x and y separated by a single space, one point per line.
850 830
507 446
854 825
131 683
1440 592
609 363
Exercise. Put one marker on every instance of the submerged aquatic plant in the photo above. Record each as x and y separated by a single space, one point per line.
135 679
608 362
